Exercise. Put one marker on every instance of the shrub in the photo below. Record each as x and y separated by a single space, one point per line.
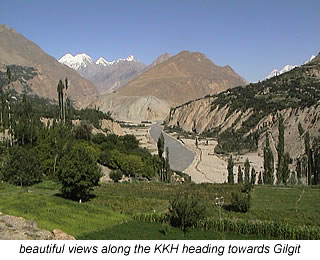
22 167
240 202
185 211
247 187
82 131
116 175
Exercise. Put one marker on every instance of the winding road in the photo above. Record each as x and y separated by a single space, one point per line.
179 157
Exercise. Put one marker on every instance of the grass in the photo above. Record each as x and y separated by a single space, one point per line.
156 231
51 211
108 214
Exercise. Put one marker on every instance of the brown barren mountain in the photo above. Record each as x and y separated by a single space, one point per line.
168 81
16 49
181 78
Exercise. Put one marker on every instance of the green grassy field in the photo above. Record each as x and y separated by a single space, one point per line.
108 215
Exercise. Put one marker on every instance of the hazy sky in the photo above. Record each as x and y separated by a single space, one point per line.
252 36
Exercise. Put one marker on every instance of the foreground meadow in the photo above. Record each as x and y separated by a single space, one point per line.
111 212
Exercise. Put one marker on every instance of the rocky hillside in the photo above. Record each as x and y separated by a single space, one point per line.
46 71
241 117
134 108
17 228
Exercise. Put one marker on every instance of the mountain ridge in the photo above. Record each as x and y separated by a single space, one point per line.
182 77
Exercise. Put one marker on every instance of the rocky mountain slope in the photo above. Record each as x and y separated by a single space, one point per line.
106 75
169 80
241 117
183 77
16 50
134 108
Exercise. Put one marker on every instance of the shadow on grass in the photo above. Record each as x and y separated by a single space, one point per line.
138 230
90 197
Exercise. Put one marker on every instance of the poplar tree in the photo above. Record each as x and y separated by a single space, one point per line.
160 145
260 182
285 168
60 99
65 107
167 166
247 171
253 176
308 153
299 170
230 170
268 163
240 175
316 161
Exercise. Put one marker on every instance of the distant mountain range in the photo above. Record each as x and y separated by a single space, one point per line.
106 75
44 71
286 68
169 80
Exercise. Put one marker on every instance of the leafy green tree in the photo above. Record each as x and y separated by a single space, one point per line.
240 175
185 211
22 167
247 171
78 172
230 170
268 163
130 142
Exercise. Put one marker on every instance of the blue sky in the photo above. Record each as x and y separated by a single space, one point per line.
252 36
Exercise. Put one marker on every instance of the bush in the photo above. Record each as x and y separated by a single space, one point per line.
78 172
22 167
82 131
116 175
247 187
185 211
240 202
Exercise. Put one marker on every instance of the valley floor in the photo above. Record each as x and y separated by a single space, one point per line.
206 167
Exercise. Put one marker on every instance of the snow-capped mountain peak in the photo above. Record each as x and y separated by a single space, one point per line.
104 62
128 59
276 72
286 68
81 60
311 58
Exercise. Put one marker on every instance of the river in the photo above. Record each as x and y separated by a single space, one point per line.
179 157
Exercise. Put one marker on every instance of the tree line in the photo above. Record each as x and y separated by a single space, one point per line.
307 166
